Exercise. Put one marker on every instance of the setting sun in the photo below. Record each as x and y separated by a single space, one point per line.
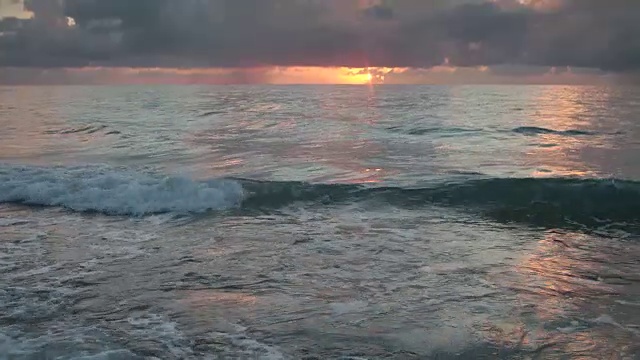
329 75
265 75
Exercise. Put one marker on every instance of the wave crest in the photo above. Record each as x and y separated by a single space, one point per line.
115 192
550 202
533 130
547 202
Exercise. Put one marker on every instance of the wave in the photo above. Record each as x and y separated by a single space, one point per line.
89 129
532 130
457 131
432 130
548 202
114 192
210 113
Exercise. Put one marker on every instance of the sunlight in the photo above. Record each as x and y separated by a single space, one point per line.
282 75
562 109
357 76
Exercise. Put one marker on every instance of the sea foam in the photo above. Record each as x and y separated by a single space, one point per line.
115 191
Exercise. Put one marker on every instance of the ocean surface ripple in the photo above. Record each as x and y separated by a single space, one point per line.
328 222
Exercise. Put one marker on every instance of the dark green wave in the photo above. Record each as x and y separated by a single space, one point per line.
548 202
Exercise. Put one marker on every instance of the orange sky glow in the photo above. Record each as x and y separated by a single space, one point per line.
299 75
269 75
294 75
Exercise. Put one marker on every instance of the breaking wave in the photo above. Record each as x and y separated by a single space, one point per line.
549 202
114 192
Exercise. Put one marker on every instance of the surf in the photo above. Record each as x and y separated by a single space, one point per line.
546 202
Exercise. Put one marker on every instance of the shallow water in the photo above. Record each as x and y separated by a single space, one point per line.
480 222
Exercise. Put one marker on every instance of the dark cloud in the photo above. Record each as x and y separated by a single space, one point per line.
588 33
244 33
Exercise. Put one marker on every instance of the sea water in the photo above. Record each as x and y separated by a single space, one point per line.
328 222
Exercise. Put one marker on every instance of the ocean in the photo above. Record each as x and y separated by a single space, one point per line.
320 222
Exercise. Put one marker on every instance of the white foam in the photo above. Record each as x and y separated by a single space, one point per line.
159 328
12 222
109 355
254 349
608 320
113 191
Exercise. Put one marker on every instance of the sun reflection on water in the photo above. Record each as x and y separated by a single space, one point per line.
561 281
566 118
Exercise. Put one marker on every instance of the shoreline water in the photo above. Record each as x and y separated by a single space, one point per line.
332 224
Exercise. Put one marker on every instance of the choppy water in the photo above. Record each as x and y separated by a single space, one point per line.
320 222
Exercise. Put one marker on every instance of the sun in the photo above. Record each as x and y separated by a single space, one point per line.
365 76
360 76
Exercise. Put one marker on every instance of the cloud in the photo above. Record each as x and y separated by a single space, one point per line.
255 33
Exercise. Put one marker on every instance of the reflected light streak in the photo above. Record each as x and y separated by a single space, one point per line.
27 135
552 276
347 151
561 280
560 109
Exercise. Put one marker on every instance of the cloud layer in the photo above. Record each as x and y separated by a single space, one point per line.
249 33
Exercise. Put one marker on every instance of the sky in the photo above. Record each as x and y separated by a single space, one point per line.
319 41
